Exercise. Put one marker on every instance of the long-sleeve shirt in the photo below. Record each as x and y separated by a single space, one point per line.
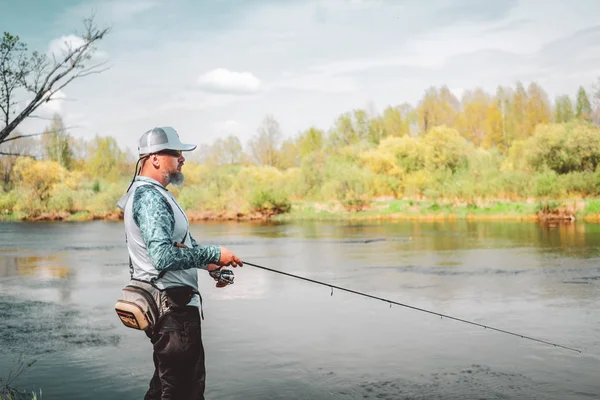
154 216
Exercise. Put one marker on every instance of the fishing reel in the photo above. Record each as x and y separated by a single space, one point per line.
223 276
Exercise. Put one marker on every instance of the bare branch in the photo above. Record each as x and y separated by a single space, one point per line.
48 80
38 134
2 153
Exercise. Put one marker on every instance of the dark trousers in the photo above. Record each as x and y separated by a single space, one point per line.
178 358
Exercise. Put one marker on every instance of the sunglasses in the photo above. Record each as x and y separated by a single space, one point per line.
174 153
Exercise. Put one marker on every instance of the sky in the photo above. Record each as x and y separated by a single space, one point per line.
211 68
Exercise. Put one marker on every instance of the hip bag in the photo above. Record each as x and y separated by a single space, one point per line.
141 305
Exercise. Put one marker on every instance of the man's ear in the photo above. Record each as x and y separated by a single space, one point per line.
155 161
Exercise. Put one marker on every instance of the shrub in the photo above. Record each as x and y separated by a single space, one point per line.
269 202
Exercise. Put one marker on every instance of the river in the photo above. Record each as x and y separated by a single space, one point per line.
269 336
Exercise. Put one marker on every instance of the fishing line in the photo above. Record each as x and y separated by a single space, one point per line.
409 306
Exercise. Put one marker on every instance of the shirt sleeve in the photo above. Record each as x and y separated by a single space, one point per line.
154 216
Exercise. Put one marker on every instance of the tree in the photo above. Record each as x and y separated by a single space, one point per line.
40 77
265 145
445 149
105 158
222 152
563 109
437 108
537 109
353 127
310 141
517 113
394 122
232 150
57 143
288 155
583 109
471 121
565 148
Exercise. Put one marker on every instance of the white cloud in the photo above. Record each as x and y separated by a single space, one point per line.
55 103
221 80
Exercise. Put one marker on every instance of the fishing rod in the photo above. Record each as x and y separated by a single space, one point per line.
408 306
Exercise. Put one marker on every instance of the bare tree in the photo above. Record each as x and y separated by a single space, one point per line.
41 77
264 146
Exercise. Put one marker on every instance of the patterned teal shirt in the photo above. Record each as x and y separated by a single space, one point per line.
152 213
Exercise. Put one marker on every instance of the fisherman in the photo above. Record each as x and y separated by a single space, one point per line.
163 251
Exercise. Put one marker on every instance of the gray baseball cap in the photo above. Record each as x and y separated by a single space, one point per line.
162 138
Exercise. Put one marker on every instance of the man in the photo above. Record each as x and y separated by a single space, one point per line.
163 251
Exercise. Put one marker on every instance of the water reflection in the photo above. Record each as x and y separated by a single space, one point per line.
46 267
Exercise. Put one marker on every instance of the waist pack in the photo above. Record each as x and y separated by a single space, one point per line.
141 305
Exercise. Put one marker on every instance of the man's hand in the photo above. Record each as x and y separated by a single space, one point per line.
229 259
212 267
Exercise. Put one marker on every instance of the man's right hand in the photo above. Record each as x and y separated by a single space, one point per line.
229 259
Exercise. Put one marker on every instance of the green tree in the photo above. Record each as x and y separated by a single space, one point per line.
564 148
394 123
445 149
583 109
353 127
310 141
57 143
104 158
563 109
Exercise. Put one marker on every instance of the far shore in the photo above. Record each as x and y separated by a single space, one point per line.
587 210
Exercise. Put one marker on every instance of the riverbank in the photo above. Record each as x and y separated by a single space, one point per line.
385 210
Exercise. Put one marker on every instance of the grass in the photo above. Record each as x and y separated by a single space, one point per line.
7 392
426 210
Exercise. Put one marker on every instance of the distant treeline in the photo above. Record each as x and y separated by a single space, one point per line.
512 145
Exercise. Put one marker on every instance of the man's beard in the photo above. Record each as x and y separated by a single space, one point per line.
176 178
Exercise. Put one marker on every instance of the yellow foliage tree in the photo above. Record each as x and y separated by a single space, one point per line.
38 176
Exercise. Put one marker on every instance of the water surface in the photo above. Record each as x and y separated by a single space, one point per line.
273 337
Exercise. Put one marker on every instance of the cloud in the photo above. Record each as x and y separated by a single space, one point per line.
221 80
54 105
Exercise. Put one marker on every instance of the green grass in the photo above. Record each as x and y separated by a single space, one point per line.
410 209
592 206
